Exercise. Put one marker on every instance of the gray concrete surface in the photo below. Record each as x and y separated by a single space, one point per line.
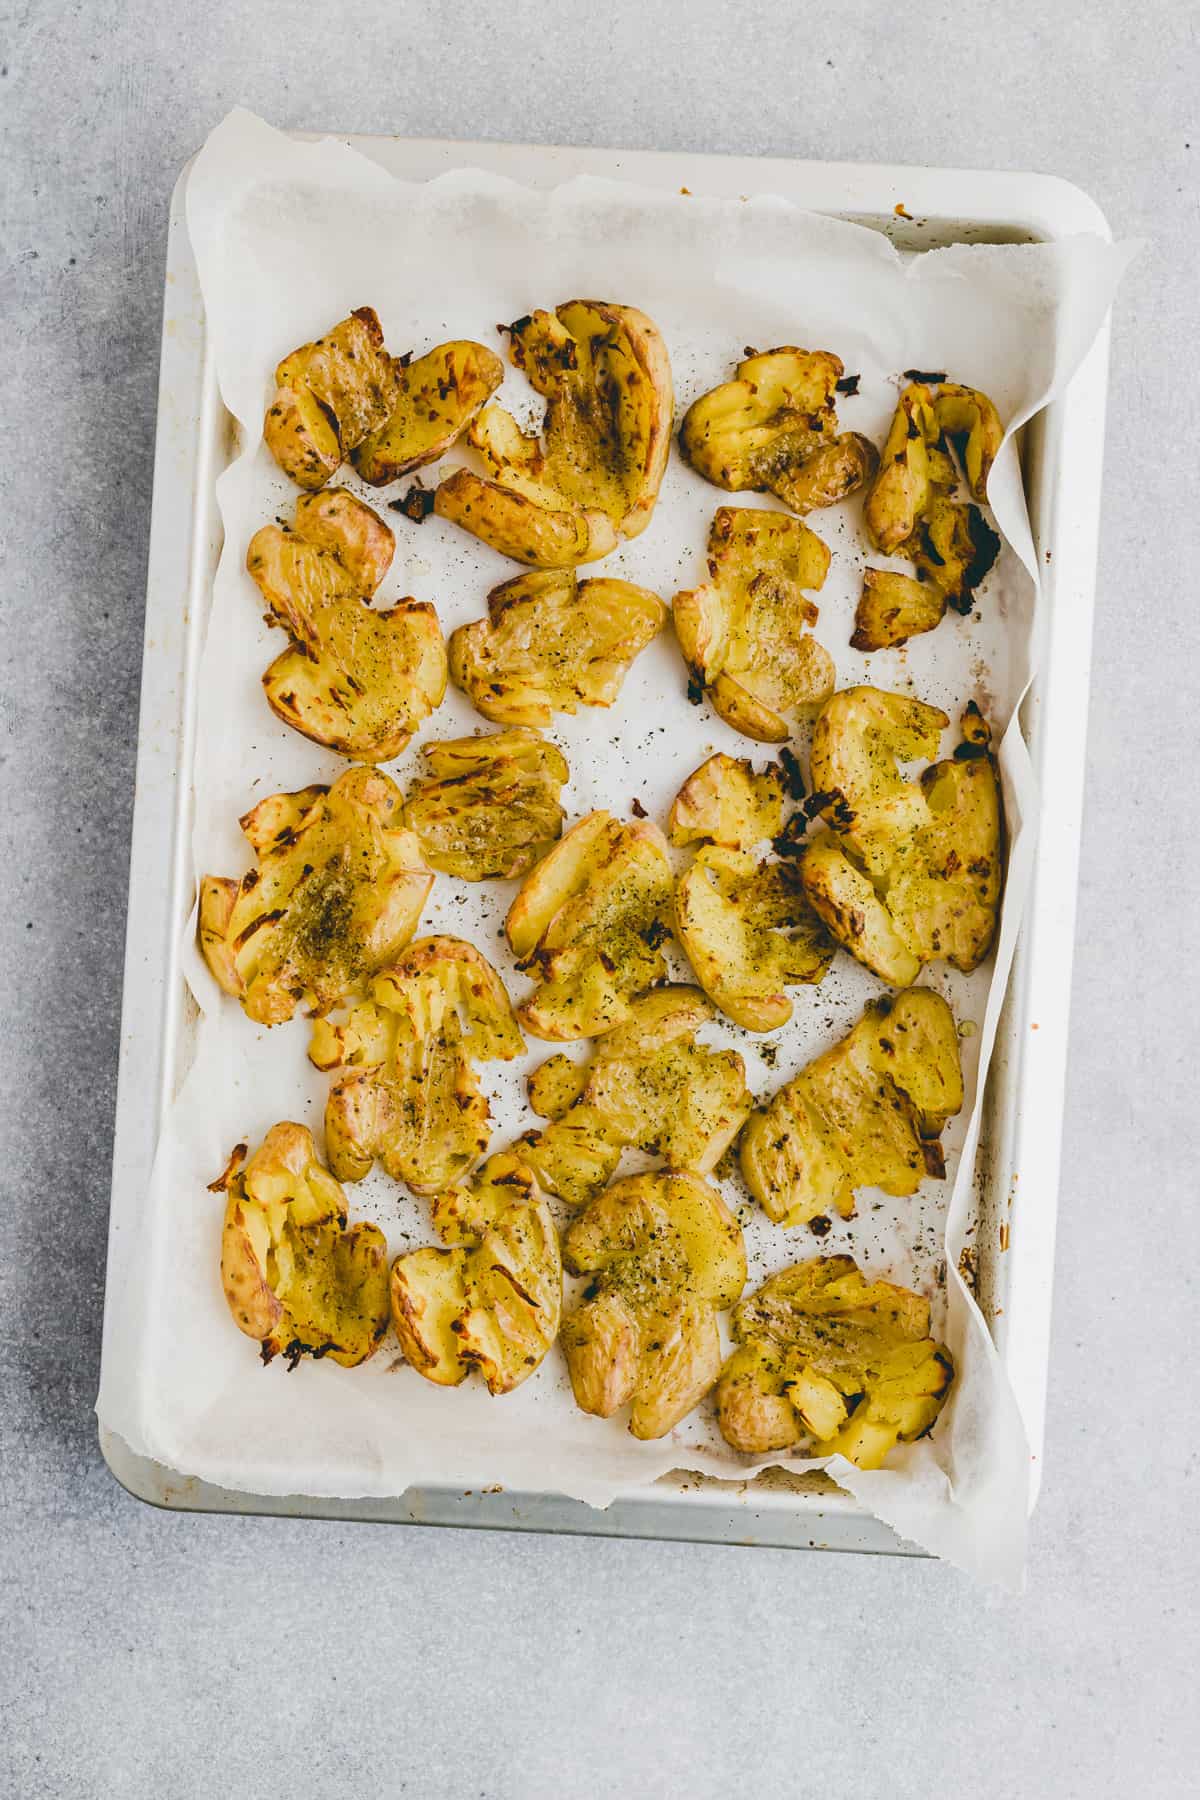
147 1655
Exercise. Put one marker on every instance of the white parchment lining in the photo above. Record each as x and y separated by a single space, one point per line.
288 238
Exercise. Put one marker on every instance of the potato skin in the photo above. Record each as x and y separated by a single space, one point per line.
853 914
726 802
328 395
427 1294
437 397
910 512
542 536
893 608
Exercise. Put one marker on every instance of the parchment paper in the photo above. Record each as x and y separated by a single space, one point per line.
288 238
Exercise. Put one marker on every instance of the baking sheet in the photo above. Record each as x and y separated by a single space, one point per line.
289 237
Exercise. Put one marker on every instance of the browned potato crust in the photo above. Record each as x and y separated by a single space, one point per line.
665 1254
296 1276
867 1113
328 396
357 679
829 1356
910 871
410 1095
595 474
490 1301
910 512
743 635
647 1085
551 643
774 428
588 925
491 807
438 395
338 892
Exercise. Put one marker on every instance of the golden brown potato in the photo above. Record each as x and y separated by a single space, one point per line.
436 398
867 1113
910 512
647 1085
338 891
492 806
354 678
832 1359
552 644
774 428
893 608
725 802
913 463
410 1096
594 476
296 1276
744 635
749 933
665 1255
588 925
492 1300
328 396
910 871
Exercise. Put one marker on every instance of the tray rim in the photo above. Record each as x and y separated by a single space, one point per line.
986 205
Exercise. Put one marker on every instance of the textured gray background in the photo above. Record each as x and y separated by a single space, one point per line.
143 1655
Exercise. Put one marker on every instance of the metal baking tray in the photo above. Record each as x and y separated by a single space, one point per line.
1018 1166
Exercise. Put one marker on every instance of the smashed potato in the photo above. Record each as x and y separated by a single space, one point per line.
749 932
410 1096
297 1277
910 870
328 396
910 512
337 894
588 925
354 678
491 807
830 1356
595 474
649 1086
867 1113
774 428
726 802
893 608
665 1255
492 1300
552 644
436 398
743 635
